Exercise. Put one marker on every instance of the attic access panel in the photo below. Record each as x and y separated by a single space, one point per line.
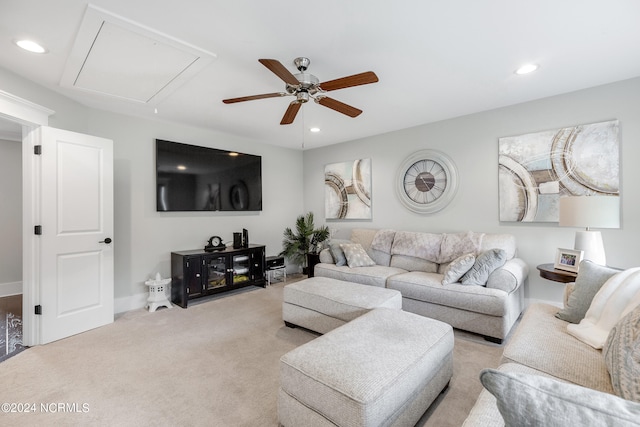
119 58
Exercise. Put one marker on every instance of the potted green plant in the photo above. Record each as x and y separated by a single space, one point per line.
305 240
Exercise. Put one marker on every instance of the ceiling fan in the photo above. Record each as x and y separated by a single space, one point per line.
305 86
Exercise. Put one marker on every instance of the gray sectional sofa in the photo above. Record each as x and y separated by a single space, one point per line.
542 365
486 300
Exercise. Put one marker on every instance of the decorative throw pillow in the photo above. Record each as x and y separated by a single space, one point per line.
336 251
533 400
456 269
617 297
486 263
622 356
591 277
356 255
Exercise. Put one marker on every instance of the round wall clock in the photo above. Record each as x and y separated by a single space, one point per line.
427 181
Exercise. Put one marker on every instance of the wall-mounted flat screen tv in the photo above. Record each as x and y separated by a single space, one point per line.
194 178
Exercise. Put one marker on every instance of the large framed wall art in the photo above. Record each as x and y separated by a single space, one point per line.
348 190
536 169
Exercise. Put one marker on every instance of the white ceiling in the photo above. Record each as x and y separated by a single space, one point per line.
435 59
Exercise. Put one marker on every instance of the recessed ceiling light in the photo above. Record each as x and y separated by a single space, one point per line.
181 167
30 46
314 130
527 68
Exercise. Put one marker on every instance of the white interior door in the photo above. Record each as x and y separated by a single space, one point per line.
76 253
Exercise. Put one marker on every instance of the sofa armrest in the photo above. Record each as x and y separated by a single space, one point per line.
510 276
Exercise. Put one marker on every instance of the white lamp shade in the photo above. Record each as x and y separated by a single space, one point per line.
590 211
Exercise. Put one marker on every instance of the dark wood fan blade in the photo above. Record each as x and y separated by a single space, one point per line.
338 106
252 97
279 70
355 80
290 114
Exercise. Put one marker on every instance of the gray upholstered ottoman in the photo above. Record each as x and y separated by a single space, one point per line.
322 304
382 369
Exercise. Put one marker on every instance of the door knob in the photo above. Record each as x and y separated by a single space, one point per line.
107 240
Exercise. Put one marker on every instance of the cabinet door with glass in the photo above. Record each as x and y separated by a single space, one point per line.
240 268
215 271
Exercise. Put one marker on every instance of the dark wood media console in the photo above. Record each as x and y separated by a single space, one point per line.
197 273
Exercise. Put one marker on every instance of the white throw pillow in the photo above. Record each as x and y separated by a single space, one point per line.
617 297
356 255
457 268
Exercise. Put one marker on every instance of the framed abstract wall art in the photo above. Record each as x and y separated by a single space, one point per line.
536 169
348 190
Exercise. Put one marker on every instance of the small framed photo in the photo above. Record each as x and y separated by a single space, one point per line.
568 259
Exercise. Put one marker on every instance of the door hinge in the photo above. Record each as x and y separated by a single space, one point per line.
37 230
37 149
38 309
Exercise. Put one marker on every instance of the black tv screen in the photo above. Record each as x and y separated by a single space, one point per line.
194 178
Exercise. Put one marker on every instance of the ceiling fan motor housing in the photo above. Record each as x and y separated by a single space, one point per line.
308 83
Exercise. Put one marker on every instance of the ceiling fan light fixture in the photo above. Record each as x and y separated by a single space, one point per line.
527 68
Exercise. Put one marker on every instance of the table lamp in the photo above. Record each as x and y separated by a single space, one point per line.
588 212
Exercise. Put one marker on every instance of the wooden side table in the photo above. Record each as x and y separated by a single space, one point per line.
547 271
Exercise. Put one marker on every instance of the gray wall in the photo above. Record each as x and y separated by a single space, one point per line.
10 215
472 142
144 238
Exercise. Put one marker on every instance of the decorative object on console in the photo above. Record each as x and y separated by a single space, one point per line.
306 239
241 240
215 244
568 260
347 192
590 211
426 181
537 169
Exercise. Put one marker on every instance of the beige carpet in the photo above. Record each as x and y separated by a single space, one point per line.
213 364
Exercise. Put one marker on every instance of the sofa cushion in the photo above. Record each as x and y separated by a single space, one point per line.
366 237
374 276
534 400
591 277
541 342
356 255
485 264
383 240
622 356
455 245
420 245
411 263
428 287
457 268
506 242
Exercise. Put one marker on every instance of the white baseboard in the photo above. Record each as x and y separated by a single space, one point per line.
133 302
8 289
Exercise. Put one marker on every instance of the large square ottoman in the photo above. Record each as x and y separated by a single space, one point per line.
384 368
322 304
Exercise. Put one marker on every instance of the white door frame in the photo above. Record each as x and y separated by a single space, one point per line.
29 116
